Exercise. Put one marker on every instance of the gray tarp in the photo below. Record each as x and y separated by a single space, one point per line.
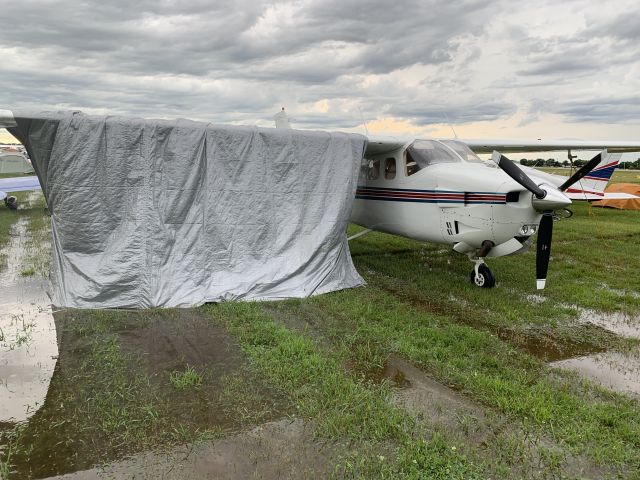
150 213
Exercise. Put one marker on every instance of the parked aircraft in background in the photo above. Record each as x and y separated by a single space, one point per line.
16 184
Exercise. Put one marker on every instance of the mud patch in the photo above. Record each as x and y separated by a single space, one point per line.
394 372
612 370
511 449
114 393
549 346
429 398
545 344
277 450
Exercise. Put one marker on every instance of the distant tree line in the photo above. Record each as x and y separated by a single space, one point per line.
552 162
630 165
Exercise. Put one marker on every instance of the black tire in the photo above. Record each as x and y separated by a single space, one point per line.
11 203
486 280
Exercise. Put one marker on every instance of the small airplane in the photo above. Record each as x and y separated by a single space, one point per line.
16 184
440 191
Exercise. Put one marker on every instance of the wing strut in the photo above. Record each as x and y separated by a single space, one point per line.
359 234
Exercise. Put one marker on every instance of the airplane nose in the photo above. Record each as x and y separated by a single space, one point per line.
553 200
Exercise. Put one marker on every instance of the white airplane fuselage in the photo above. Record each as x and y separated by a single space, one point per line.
461 204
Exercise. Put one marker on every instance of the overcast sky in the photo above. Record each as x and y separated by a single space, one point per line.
498 69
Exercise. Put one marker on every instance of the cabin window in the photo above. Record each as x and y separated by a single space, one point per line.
373 169
389 168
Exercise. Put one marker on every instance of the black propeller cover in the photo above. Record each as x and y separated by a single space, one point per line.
511 169
543 252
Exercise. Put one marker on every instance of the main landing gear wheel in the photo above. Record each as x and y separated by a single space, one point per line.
11 202
484 278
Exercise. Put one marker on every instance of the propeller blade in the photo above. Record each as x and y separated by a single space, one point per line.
582 171
543 253
511 169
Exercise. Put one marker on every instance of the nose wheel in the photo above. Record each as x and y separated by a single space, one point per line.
481 276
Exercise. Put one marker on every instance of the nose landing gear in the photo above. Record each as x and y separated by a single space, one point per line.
481 276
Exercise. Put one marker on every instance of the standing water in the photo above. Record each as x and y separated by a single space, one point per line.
28 348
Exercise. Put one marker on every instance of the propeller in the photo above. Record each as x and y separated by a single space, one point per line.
545 200
581 172
515 172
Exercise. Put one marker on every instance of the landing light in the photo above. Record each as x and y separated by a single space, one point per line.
528 230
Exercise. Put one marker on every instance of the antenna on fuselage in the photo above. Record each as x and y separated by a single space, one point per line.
364 124
455 135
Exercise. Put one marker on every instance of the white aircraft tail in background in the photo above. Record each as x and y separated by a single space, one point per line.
590 187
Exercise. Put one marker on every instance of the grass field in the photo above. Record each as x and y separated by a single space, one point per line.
417 375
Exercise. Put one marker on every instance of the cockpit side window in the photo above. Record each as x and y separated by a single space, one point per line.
411 165
389 168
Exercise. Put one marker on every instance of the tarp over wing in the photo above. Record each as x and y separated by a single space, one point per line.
150 213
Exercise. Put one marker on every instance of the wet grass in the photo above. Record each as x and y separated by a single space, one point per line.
343 407
364 326
38 232
321 359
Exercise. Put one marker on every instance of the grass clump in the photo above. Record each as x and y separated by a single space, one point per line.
186 379
28 272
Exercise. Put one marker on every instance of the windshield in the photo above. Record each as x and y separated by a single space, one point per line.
429 152
466 153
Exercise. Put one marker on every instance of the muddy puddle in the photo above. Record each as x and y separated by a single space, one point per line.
28 348
128 382
612 370
540 342
283 449
620 323
468 422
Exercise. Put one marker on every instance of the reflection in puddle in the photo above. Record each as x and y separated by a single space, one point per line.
28 348
619 323
612 370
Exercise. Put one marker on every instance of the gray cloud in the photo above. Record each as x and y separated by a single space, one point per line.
601 109
239 61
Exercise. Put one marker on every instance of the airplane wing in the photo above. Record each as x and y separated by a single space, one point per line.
539 145
19 184
384 144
